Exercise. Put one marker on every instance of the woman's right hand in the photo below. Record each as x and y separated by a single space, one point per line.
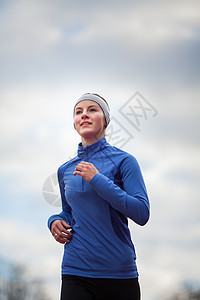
60 231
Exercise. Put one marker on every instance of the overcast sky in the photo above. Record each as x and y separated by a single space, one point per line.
51 52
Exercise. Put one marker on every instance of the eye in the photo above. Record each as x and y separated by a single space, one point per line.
78 112
93 109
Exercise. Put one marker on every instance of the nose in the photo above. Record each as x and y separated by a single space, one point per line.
84 115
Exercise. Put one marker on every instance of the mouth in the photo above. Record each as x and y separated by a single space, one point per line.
85 123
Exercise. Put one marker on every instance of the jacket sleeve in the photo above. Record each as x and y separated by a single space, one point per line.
131 200
66 210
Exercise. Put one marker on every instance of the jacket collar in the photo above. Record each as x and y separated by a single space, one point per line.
90 149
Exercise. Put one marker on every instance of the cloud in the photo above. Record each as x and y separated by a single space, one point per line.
169 243
51 42
30 31
37 27
33 248
51 53
154 24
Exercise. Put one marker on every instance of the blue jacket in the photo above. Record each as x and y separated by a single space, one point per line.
101 245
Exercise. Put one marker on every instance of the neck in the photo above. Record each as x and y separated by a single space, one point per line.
90 141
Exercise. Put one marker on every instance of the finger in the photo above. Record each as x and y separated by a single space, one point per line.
79 167
86 163
62 240
64 234
67 227
65 224
62 237
83 164
60 227
79 170
58 230
86 166
78 173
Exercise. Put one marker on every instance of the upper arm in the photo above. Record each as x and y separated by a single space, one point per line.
65 205
132 179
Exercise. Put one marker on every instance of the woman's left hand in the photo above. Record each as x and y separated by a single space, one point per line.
86 170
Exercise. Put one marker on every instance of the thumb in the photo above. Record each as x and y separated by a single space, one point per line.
65 224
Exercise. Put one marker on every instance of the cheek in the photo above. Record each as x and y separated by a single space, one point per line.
100 121
76 120
75 123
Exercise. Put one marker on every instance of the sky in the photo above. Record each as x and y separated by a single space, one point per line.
136 54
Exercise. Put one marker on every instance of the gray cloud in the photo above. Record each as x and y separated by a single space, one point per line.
52 52
71 38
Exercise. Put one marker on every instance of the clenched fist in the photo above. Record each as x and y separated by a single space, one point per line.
86 170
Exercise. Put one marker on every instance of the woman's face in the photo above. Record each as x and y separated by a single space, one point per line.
89 120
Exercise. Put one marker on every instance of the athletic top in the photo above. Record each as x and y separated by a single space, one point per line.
101 245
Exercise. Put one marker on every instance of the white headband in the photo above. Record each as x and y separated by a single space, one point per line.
104 106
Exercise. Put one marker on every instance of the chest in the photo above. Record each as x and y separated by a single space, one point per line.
78 187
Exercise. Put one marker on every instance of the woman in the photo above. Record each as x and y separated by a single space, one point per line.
100 188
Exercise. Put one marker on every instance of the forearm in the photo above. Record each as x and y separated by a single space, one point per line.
62 216
136 207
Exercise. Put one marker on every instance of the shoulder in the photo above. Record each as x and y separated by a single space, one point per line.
120 154
124 161
66 165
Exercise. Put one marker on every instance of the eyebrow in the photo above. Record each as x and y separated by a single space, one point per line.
88 106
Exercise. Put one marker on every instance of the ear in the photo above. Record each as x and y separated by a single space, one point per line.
105 123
